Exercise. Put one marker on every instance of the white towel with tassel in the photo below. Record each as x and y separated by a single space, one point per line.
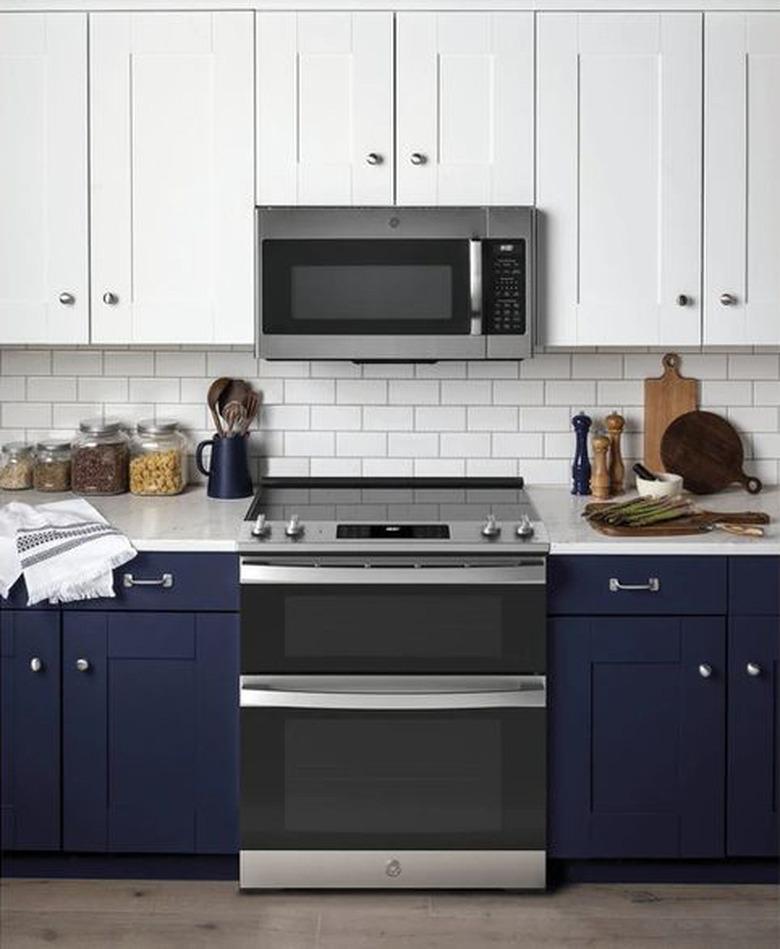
66 550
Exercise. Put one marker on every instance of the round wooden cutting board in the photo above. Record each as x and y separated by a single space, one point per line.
706 450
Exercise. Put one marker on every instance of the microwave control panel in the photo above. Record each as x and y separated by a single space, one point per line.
503 275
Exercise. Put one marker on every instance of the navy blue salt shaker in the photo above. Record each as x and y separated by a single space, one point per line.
580 469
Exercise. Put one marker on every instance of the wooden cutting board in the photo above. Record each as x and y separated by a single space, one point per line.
695 524
707 451
666 398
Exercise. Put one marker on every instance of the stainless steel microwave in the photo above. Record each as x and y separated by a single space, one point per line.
390 284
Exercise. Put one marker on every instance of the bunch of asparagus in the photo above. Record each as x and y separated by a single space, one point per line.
640 512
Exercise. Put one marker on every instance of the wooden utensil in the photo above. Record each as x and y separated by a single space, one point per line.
251 404
234 415
666 398
216 389
235 391
706 450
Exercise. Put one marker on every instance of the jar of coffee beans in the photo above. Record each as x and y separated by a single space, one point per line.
100 458
52 466
16 466
157 458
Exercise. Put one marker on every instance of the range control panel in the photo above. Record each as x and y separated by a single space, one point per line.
503 275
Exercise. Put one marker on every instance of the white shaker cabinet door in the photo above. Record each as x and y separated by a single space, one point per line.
43 178
619 178
172 177
465 108
324 108
742 179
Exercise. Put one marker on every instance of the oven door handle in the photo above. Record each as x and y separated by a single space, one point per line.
264 573
421 694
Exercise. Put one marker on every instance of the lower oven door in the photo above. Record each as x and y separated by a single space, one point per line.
378 781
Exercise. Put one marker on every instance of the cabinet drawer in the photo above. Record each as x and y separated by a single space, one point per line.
172 581
663 585
754 586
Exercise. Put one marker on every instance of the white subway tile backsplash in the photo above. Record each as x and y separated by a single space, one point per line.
388 418
329 418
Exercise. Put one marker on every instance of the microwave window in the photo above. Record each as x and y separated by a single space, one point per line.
371 292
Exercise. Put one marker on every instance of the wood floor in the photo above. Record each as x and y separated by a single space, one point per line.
185 915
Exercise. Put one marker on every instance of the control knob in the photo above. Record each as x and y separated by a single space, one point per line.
525 528
261 527
491 528
294 527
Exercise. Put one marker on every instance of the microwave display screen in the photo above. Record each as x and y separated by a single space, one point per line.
371 292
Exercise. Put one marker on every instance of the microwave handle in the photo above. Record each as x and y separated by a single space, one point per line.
475 286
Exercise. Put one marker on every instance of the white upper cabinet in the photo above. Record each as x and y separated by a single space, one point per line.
172 150
43 178
465 108
619 178
325 108
742 179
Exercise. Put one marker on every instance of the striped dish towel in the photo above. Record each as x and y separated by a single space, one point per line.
66 550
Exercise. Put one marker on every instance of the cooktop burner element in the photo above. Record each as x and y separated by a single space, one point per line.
349 515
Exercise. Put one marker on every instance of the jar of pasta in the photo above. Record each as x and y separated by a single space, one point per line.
52 466
157 458
16 466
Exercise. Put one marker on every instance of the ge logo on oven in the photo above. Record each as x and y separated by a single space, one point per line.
393 868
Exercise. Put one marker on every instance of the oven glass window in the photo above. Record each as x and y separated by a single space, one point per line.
388 777
361 287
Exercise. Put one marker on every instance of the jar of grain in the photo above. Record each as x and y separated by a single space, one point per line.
157 458
16 466
100 457
52 466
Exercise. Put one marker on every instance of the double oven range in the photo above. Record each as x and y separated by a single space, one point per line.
393 690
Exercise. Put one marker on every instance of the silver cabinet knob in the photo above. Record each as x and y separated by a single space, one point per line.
35 664
727 299
110 299
374 159
683 299
66 299
705 670
753 669
417 158
82 665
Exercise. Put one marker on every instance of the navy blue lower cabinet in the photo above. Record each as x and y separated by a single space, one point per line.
753 818
150 732
637 737
30 657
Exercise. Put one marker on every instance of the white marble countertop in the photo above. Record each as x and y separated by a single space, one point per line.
193 522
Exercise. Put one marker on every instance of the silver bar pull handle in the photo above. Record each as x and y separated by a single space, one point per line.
165 581
475 286
653 585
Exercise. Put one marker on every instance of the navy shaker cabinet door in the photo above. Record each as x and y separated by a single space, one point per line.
753 737
30 656
150 732
637 737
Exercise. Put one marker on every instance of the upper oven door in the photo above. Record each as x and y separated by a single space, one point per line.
393 619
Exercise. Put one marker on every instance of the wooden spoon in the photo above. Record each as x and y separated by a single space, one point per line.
234 415
235 391
216 389
251 404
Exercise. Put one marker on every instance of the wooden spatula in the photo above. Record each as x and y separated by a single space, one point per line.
666 398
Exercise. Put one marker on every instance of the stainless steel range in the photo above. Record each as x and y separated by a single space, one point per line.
393 690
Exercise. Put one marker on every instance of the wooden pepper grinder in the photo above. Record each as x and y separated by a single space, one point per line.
617 470
599 482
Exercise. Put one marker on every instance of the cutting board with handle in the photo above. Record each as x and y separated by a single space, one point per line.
666 398
707 451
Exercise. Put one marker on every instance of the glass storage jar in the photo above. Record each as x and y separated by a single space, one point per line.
16 466
99 458
157 458
52 466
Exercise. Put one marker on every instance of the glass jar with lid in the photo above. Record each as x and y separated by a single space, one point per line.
100 456
157 458
16 466
52 466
